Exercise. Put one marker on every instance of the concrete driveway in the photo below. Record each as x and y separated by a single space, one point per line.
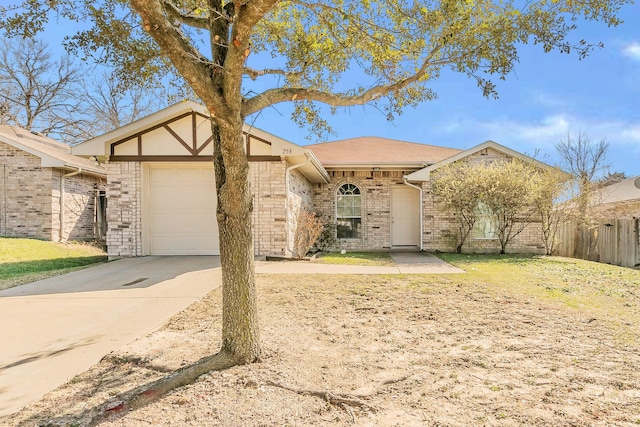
56 328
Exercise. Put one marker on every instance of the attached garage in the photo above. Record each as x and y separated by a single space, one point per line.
179 209
161 196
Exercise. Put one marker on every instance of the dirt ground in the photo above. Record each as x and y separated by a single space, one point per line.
379 351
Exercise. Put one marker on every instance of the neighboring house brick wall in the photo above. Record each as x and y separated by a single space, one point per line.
124 198
375 187
25 196
80 205
619 210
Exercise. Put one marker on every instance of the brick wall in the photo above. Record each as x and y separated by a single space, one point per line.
300 197
268 189
439 227
30 199
79 205
375 188
124 195
620 210
25 196
124 199
268 186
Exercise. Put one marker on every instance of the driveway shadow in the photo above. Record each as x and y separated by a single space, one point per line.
127 273
32 357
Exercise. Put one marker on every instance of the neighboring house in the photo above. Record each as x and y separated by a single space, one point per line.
45 191
620 200
161 193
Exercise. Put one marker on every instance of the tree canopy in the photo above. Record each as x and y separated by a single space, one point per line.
307 51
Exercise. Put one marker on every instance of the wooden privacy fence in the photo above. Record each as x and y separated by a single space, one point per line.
615 241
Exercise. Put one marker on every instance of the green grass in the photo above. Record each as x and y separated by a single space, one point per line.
357 258
27 260
602 291
595 292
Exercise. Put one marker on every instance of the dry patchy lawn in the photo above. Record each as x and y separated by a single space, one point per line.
515 341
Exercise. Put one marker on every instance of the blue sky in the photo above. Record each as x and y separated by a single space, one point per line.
547 97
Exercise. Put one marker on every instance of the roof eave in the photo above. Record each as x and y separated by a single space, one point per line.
311 168
324 175
425 173
47 161
369 165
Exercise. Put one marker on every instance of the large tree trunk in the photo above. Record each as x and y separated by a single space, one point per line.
240 331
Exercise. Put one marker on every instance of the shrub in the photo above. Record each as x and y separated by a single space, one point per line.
308 230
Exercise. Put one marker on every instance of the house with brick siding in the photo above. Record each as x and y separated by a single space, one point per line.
161 197
45 191
618 201
162 201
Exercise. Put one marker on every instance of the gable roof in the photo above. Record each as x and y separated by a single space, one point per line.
424 174
100 145
374 151
623 191
52 153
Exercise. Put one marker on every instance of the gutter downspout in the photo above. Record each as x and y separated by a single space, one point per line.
62 177
287 227
405 182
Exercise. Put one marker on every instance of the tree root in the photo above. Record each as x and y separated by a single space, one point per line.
148 393
346 401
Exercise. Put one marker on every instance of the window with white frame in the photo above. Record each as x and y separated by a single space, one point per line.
348 212
485 226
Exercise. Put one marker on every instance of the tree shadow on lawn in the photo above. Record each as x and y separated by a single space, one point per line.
99 394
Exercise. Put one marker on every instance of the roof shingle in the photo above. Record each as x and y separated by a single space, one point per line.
44 146
370 150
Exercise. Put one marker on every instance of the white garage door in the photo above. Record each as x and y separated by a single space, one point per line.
181 207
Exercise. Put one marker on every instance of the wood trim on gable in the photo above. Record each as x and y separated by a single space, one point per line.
263 158
192 146
161 159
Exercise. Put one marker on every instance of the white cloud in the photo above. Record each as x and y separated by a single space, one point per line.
553 128
543 132
548 100
529 136
632 133
632 50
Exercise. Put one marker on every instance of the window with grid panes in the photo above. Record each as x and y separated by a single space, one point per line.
348 212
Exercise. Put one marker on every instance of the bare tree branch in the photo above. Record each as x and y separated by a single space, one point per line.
187 19
39 92
254 74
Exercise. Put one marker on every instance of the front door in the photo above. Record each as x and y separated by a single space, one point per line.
405 216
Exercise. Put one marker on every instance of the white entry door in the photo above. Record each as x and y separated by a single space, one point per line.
181 209
405 216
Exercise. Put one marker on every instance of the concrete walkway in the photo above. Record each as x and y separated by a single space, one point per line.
406 263
56 328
